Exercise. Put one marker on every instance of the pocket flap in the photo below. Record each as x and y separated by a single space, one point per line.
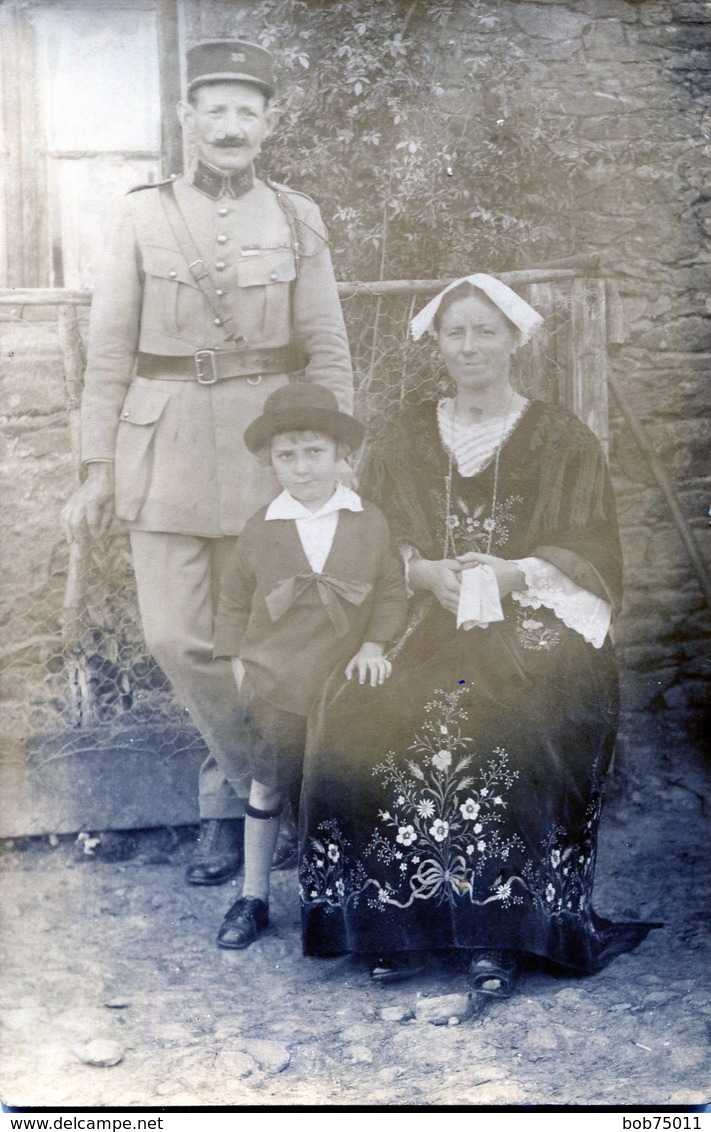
144 406
166 263
269 266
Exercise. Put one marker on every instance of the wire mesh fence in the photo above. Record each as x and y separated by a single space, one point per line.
75 670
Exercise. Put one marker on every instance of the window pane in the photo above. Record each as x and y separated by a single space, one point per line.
99 76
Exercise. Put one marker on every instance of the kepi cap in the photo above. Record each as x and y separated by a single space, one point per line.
303 406
230 60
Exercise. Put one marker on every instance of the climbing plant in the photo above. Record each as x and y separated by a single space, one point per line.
419 130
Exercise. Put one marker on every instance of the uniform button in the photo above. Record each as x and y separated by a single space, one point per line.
126 413
219 291
222 211
173 274
219 266
222 239
274 277
217 321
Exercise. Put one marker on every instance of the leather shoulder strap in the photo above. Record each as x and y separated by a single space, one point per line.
196 265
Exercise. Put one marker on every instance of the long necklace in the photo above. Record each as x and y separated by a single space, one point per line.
449 526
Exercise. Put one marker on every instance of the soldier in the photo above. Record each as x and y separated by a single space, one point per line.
216 289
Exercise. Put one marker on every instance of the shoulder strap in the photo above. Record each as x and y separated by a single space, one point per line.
150 185
289 211
196 265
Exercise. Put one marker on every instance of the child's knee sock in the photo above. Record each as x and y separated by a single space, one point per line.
261 828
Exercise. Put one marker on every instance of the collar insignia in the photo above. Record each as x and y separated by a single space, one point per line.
214 184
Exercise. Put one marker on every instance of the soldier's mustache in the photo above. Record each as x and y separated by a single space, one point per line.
229 143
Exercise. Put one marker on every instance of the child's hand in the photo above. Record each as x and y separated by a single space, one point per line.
369 662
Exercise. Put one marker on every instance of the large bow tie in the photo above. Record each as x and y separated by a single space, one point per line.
283 596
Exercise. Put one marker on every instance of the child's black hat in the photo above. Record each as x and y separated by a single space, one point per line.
303 407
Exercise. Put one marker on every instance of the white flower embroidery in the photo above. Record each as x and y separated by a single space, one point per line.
550 893
555 858
443 759
481 846
426 808
333 852
470 809
439 830
406 835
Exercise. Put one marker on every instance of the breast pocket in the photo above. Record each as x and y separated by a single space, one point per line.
135 446
264 280
169 290
263 267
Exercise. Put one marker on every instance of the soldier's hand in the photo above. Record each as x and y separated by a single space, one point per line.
92 505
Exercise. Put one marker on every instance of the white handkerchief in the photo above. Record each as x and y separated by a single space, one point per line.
479 601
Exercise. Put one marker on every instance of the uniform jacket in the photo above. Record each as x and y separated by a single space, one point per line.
287 659
180 460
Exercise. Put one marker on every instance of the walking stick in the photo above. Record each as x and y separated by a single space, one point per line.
80 550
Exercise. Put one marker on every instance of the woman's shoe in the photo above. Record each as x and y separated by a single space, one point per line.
247 917
393 968
493 973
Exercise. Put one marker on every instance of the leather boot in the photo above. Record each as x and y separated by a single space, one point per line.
220 851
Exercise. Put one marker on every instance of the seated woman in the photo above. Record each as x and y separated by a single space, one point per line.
457 808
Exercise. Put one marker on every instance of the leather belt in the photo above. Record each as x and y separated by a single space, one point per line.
207 367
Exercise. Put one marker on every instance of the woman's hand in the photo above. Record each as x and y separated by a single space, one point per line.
370 662
441 577
509 575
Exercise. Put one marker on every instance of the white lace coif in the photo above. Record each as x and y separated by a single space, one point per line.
521 314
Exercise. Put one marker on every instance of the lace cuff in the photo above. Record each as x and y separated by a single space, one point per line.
579 609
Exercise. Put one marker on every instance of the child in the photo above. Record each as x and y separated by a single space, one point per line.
313 583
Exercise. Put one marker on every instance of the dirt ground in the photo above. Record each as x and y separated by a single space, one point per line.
103 942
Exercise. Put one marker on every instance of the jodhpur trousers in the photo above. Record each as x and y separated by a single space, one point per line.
177 578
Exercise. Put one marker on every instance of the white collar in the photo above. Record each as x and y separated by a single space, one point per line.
286 507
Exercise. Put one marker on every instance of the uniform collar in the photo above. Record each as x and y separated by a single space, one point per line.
212 183
286 507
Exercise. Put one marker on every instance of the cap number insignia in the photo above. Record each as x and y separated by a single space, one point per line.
238 57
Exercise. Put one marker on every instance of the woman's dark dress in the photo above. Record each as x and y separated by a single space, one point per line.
458 805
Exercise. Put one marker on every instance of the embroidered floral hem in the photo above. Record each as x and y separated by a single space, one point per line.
458 805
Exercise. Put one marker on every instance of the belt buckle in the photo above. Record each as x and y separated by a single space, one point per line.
206 367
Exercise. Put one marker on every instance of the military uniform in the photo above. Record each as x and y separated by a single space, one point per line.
185 483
